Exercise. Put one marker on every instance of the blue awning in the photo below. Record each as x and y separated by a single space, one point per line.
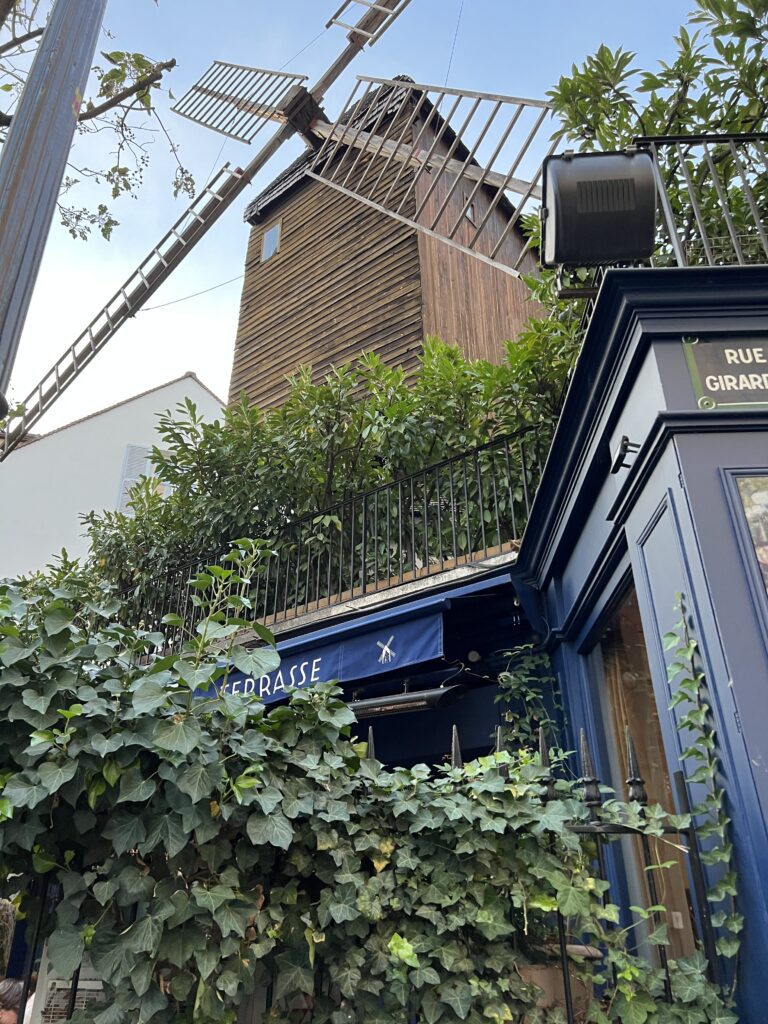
361 648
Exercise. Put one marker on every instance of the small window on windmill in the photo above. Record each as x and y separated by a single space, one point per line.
470 211
270 242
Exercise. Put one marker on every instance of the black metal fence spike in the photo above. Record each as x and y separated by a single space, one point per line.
457 761
548 780
498 748
543 748
635 781
589 780
499 744
371 747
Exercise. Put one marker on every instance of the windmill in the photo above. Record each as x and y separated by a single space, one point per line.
389 133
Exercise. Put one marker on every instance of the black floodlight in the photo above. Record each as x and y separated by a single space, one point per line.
598 208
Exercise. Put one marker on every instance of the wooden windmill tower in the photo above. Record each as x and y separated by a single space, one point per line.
434 163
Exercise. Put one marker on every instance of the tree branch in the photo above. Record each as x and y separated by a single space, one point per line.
120 97
20 40
138 86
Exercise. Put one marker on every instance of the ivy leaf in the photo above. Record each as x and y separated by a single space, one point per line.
573 902
274 830
53 776
180 734
149 696
135 788
294 975
255 661
199 780
212 899
111 957
126 829
458 995
166 828
23 792
231 918
144 936
65 949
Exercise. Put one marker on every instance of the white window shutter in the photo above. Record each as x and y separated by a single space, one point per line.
135 464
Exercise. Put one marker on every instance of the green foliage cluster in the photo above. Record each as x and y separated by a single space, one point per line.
717 82
206 846
120 112
254 471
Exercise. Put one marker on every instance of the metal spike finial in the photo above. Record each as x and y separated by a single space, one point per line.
635 781
589 780
548 780
457 761
371 748
498 748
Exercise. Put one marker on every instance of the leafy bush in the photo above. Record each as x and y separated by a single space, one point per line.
254 471
206 846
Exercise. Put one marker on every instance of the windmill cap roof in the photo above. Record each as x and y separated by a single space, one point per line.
296 172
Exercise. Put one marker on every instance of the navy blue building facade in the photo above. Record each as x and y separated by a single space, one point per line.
607 555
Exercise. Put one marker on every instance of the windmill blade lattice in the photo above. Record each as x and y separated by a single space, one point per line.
236 100
380 16
443 160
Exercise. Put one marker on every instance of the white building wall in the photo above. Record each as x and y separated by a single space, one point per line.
46 485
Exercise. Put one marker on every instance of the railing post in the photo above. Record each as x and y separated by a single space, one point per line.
636 791
549 793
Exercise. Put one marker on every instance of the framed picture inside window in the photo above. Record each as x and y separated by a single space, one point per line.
753 491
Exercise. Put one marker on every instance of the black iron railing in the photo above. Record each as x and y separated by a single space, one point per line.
712 199
466 508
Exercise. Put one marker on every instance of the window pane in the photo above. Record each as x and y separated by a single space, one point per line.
271 242
630 703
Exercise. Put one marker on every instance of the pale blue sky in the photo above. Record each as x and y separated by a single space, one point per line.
504 46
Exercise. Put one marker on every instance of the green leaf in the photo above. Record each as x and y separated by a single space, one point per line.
274 829
402 950
458 995
149 696
231 918
23 792
135 788
125 829
65 949
111 957
255 661
57 620
168 830
199 780
144 936
180 734
54 776
212 899
294 975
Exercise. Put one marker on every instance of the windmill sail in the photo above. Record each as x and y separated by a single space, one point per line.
238 101
377 17
242 101
445 161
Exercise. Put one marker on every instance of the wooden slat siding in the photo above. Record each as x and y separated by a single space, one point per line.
346 280
466 302
393 262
